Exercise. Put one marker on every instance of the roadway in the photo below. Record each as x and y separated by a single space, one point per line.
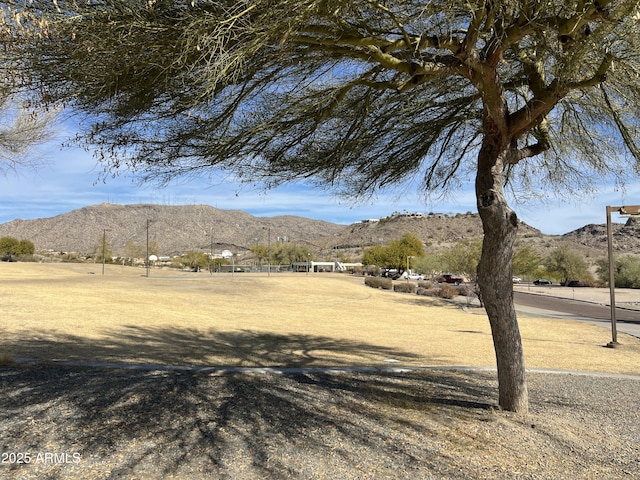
627 320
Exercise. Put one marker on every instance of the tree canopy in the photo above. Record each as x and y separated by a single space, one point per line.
396 255
353 94
377 91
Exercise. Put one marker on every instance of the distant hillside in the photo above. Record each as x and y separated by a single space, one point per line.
178 229
435 230
593 238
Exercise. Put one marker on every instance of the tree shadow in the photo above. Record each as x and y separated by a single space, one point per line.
125 423
183 346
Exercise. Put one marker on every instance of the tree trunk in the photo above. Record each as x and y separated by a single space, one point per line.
500 225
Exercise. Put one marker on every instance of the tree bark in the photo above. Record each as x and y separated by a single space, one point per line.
500 225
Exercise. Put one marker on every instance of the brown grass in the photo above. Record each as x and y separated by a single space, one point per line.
62 312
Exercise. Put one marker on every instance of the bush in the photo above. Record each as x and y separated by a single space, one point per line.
379 282
442 291
407 287
466 290
447 291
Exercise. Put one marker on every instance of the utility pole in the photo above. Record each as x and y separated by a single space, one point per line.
147 257
104 246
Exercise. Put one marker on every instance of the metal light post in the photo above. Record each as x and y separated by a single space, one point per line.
407 272
211 260
147 257
628 211
104 246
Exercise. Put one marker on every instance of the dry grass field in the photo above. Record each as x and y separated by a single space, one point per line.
73 312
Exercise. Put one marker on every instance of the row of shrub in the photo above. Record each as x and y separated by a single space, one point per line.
379 282
421 288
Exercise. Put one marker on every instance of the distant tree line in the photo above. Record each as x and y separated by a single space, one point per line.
12 249
562 265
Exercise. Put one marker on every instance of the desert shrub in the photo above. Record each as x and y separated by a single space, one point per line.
466 290
447 291
405 287
379 282
427 292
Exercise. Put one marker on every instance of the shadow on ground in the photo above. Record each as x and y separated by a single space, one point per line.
157 424
183 346
150 424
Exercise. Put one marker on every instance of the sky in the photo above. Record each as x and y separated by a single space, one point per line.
69 179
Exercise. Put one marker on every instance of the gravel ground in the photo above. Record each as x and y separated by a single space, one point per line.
65 423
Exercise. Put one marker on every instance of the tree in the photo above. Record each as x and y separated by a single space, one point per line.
463 257
356 94
194 260
375 255
286 253
396 255
567 263
526 261
102 250
26 247
626 271
10 247
399 252
260 252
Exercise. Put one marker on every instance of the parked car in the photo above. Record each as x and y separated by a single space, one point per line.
516 280
414 276
541 281
448 278
575 283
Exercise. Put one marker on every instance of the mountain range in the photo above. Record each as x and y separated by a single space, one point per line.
178 229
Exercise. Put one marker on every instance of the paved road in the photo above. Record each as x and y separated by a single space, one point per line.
627 321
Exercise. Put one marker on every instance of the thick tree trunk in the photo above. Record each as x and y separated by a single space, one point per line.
500 225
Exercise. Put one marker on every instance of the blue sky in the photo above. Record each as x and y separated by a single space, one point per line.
69 179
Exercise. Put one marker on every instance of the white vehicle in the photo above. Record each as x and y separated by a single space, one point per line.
414 276
516 280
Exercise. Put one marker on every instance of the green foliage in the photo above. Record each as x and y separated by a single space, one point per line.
260 252
103 249
384 91
427 264
26 247
526 262
626 271
567 264
8 245
462 257
375 255
193 260
396 255
12 247
286 253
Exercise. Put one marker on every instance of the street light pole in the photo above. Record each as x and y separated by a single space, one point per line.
147 258
104 246
626 211
612 280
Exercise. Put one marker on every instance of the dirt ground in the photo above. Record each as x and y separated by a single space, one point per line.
58 312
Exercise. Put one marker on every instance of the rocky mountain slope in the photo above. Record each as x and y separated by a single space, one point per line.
175 229
178 229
